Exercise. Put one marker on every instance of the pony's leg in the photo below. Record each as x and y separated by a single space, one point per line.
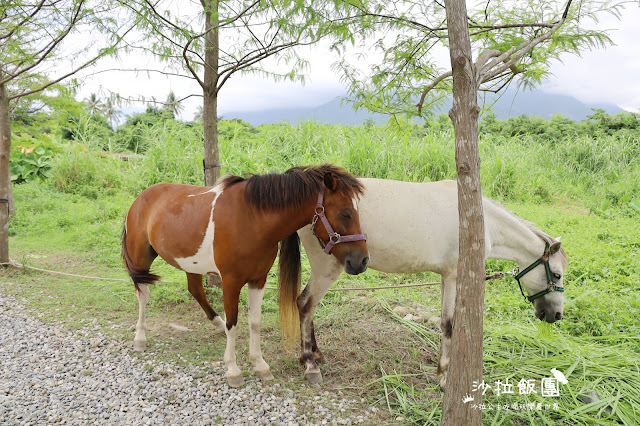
255 352
197 291
324 272
230 295
448 291
140 341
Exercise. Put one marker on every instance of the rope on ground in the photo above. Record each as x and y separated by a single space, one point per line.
385 287
21 266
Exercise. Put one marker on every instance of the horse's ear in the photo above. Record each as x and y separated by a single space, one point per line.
330 181
558 238
554 248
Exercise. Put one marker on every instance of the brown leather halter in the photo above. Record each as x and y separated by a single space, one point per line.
334 237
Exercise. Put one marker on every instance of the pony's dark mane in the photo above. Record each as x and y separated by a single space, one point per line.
540 233
292 188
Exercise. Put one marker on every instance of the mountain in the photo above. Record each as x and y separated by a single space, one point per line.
336 111
511 103
538 103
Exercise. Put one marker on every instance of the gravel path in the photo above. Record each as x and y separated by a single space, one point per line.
49 375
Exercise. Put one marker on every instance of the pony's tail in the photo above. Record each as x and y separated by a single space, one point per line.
137 274
289 289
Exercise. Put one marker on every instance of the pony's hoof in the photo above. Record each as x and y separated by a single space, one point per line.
139 346
265 376
235 381
314 377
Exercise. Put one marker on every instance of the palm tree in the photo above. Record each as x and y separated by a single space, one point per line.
94 104
173 104
199 115
110 110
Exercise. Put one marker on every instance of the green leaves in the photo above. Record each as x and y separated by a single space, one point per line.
30 165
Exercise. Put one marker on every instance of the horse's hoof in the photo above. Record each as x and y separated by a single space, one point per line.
139 346
235 381
265 376
314 377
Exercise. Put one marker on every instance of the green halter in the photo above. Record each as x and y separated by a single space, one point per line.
551 286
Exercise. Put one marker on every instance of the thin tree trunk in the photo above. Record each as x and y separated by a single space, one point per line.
5 179
466 341
211 162
210 93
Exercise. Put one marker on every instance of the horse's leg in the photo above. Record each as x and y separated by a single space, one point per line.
324 272
140 341
448 291
255 318
197 291
231 294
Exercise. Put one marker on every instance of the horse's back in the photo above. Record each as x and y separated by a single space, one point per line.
411 227
175 219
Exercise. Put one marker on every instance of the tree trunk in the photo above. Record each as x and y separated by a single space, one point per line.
210 95
5 179
466 341
211 162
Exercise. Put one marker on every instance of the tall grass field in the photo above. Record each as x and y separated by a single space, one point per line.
577 181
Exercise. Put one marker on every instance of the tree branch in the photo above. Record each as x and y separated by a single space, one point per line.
431 87
72 72
50 46
24 21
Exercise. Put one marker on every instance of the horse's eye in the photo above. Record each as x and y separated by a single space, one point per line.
346 214
557 276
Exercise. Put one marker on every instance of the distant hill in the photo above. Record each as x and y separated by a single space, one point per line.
511 104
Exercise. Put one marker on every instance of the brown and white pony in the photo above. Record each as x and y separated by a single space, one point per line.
233 229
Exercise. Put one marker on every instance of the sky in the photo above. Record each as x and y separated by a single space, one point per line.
610 75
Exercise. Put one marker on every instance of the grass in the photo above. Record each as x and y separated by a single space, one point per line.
582 190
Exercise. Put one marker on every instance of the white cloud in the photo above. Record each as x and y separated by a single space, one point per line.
611 75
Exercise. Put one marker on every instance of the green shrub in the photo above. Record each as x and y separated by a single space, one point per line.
87 174
28 166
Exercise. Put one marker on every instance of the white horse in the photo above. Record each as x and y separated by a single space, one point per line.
413 227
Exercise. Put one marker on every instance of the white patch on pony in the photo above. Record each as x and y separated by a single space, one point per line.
218 324
255 351
140 341
214 189
355 204
230 353
203 262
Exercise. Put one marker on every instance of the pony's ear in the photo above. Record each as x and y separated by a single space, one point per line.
558 238
554 248
330 181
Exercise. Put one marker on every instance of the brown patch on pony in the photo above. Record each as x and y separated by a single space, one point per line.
274 191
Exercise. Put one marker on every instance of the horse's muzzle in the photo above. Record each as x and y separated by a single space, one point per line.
549 316
355 265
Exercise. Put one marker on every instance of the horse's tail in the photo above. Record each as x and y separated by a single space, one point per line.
138 275
289 289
